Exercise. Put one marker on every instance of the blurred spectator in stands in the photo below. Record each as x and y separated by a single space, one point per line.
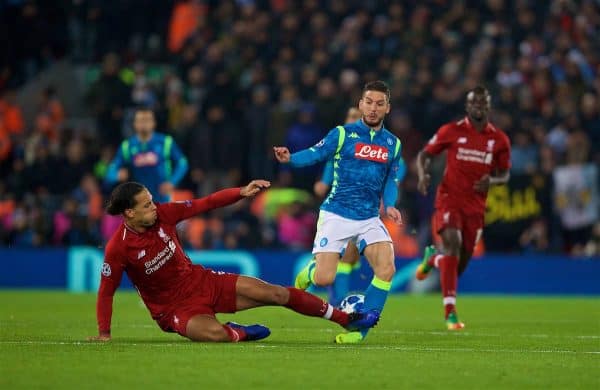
107 99
535 238
256 118
73 167
590 121
592 247
185 19
148 157
11 126
297 226
301 135
329 103
51 114
524 154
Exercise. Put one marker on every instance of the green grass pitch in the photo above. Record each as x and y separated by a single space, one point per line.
509 342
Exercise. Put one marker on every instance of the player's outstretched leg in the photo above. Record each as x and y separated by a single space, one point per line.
381 258
203 327
349 263
319 272
341 286
449 279
305 277
252 292
427 264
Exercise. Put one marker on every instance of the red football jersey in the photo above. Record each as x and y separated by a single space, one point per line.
471 154
154 260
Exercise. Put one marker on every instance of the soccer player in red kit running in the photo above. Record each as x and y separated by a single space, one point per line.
182 297
478 155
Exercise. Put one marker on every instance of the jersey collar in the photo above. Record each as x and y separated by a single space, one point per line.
364 126
489 128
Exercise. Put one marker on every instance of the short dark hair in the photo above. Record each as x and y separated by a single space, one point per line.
378 85
480 90
123 197
142 109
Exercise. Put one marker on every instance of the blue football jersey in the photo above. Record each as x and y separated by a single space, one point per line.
365 165
151 163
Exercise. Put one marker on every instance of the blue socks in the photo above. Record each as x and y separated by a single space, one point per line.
341 286
375 296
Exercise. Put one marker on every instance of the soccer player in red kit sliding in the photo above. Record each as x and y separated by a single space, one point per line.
182 297
478 155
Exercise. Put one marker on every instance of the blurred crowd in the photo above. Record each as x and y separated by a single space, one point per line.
230 79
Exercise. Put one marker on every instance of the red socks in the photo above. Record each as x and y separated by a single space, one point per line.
448 266
305 303
235 334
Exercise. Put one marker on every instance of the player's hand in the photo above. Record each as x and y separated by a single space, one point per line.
123 174
166 188
254 187
282 154
102 337
321 189
483 184
394 214
423 184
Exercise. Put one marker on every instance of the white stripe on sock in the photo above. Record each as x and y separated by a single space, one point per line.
436 260
329 312
449 301
236 335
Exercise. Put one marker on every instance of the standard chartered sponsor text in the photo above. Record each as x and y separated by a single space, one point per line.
159 260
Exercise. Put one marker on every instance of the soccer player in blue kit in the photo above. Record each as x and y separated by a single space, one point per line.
149 157
350 256
366 158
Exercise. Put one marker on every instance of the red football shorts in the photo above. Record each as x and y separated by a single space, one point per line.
470 226
213 292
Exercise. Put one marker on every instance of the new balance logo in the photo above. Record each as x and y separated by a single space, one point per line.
462 140
371 152
141 254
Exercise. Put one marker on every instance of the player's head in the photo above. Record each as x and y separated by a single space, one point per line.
374 103
353 115
478 104
143 122
134 202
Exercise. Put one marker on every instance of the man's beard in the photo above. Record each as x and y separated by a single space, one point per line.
376 124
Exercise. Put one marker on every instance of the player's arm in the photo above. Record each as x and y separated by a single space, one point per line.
322 151
116 171
177 211
438 143
181 164
390 190
322 186
111 274
181 167
501 173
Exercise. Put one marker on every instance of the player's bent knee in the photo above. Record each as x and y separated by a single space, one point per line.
385 272
206 331
323 279
279 295
215 335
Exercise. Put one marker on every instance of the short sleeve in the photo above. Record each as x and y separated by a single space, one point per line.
441 140
502 156
113 266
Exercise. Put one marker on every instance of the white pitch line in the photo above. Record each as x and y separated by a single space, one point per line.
445 333
308 347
